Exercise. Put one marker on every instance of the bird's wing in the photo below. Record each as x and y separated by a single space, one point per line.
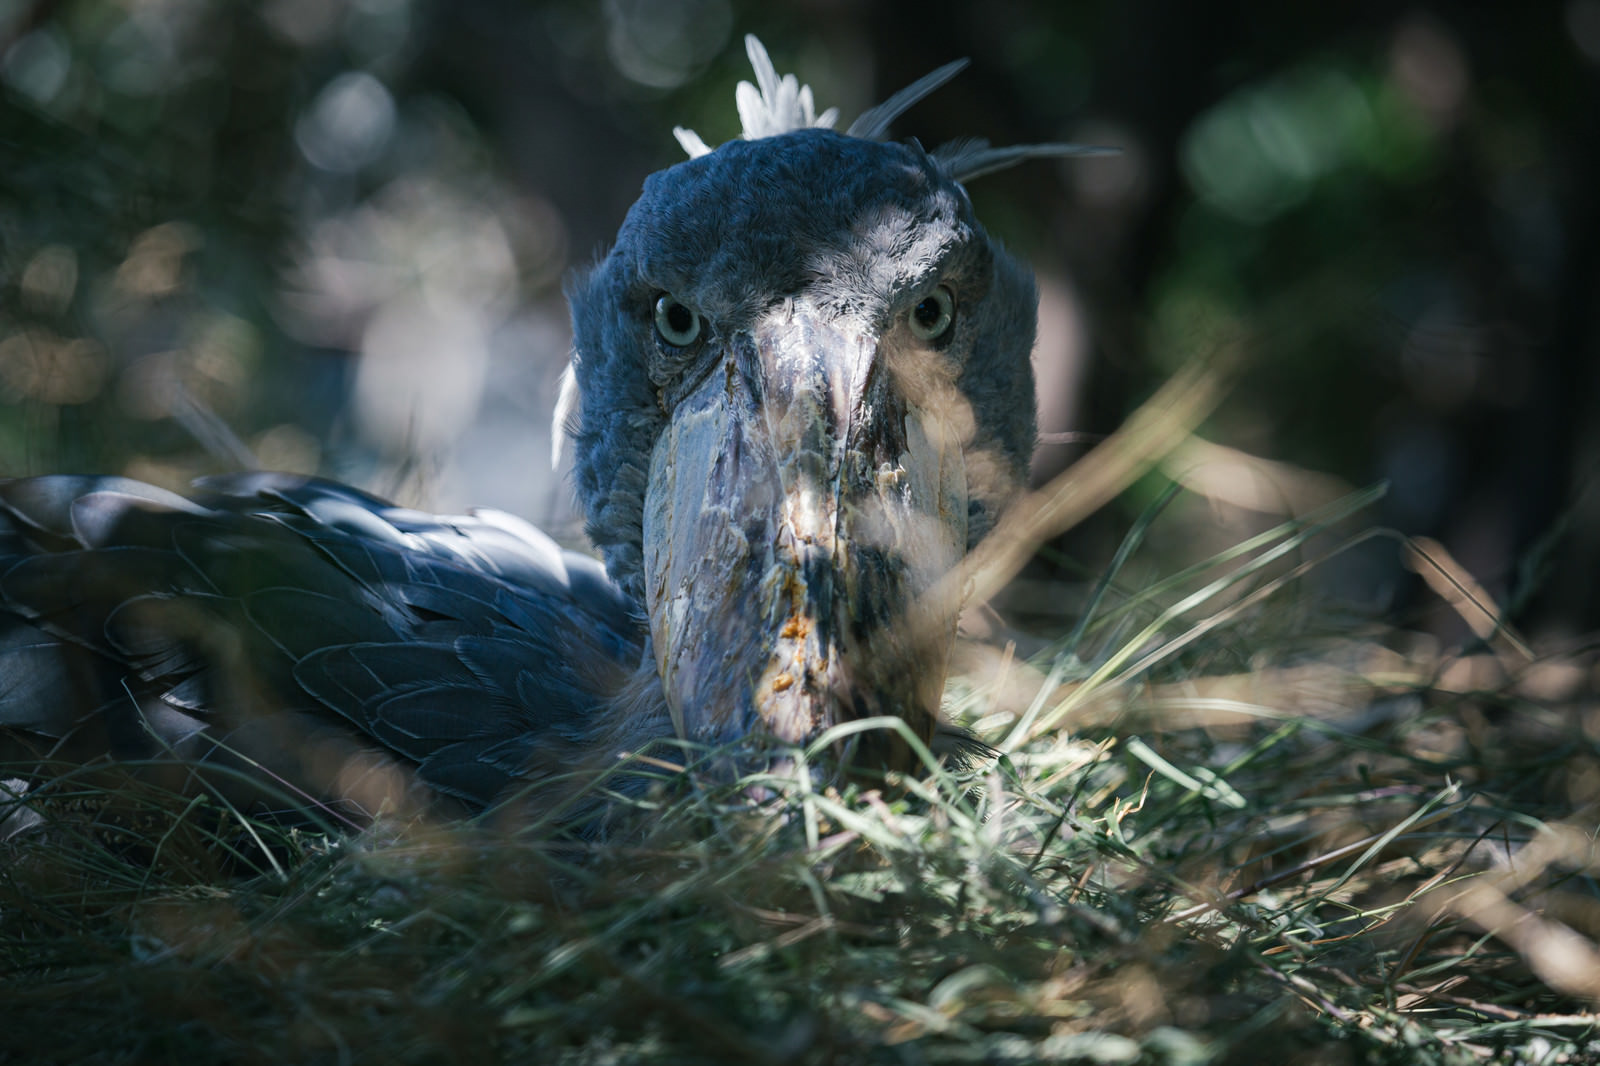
136 622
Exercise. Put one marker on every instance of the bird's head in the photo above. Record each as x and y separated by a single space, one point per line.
805 393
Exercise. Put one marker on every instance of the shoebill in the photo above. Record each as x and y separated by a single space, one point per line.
800 392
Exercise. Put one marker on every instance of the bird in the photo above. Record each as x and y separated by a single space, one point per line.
800 393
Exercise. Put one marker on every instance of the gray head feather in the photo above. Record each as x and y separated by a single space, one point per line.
967 159
873 123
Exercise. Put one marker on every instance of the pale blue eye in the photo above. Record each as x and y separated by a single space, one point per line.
931 318
676 322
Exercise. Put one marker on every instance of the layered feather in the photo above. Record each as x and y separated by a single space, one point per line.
141 622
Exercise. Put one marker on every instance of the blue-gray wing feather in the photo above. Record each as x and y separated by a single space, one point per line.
459 643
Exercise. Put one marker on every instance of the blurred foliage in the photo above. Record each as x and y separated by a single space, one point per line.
329 234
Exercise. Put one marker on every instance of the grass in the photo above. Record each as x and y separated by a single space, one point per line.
1215 828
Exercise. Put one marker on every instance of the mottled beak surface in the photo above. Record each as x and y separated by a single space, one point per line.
807 492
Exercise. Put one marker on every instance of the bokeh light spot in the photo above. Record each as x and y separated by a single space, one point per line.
349 123
664 44
37 66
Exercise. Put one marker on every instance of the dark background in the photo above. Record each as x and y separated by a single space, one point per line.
329 235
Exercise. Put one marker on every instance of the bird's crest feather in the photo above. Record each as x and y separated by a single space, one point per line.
772 106
873 123
775 105
964 160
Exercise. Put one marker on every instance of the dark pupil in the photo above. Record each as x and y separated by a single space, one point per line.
680 318
927 312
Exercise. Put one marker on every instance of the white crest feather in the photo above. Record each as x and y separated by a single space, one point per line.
771 106
691 141
775 105
561 420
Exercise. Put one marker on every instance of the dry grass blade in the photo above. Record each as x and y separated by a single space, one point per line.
1451 582
1162 424
1564 958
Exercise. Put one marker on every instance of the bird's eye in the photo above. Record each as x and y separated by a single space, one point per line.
931 318
676 323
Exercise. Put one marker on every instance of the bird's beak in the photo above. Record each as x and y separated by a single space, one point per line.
806 494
